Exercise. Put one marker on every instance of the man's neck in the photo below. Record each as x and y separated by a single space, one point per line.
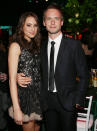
54 36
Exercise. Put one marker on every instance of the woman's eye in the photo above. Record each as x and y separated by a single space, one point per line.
36 25
28 25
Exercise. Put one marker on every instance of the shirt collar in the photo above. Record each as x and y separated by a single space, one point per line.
56 40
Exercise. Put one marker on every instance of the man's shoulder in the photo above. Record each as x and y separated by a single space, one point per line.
71 41
44 43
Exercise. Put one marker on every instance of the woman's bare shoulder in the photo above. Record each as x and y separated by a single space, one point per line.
14 47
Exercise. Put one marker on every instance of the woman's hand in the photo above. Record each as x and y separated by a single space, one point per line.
22 80
18 117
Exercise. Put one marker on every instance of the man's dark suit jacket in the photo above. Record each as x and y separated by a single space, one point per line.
70 63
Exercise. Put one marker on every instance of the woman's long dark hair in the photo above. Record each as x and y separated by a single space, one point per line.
18 36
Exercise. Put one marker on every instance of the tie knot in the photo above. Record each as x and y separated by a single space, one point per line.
52 43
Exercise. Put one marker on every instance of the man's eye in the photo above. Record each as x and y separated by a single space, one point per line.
48 18
57 18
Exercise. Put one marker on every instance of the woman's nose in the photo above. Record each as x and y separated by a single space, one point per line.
32 28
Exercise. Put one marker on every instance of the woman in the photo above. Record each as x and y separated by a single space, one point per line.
24 57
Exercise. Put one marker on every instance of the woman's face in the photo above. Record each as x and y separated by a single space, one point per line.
30 28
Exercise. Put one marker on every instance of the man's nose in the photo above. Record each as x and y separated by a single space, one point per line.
52 21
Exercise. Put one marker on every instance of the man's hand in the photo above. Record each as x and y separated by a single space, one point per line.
22 80
77 105
3 77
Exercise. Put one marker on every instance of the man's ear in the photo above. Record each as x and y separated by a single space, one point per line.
62 23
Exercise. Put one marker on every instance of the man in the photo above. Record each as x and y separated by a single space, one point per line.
59 103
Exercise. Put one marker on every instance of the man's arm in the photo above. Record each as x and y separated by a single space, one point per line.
82 73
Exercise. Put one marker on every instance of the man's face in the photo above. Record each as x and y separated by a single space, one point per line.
53 21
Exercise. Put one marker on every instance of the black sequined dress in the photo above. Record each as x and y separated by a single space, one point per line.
29 97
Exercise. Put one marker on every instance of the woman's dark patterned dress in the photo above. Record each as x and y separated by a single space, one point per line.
29 97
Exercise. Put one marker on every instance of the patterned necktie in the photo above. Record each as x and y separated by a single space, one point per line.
51 72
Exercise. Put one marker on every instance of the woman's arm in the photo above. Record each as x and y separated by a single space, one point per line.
13 56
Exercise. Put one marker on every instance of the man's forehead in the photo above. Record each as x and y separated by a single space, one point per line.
53 11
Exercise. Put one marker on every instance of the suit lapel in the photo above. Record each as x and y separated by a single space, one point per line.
60 52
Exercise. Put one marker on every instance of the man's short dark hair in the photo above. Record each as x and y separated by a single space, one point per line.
54 6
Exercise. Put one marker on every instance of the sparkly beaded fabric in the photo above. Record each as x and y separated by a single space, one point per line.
29 97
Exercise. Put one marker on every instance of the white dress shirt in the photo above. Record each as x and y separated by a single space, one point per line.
56 49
